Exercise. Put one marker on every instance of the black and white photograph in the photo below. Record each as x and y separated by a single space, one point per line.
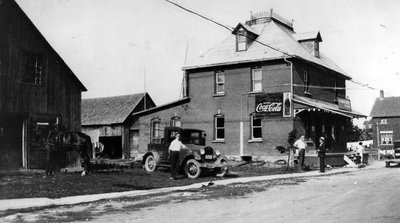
199 111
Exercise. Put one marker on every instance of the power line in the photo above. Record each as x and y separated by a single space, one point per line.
200 15
255 40
226 27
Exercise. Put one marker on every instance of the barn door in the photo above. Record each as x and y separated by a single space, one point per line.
39 129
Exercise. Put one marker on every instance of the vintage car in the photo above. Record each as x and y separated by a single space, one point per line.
194 159
395 158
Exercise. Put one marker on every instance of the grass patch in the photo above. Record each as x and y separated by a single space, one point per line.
100 181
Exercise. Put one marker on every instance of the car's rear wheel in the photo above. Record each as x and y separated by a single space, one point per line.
150 164
192 169
224 168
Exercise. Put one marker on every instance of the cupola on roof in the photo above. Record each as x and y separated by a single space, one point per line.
267 16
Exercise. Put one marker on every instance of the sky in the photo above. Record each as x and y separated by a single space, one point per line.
119 47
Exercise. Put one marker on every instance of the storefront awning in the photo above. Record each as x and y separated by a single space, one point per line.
303 103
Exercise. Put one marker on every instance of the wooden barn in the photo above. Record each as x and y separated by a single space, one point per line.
110 120
38 91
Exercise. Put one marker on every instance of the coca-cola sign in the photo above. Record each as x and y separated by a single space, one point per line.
269 104
269 107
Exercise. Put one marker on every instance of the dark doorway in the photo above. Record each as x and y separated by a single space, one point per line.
112 146
39 129
11 142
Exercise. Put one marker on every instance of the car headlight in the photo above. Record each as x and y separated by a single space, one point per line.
202 151
217 152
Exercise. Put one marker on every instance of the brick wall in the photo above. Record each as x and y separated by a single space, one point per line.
393 124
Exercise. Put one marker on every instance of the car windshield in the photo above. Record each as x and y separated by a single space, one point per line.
193 137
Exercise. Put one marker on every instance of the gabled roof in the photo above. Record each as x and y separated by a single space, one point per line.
270 33
386 107
111 110
246 27
308 36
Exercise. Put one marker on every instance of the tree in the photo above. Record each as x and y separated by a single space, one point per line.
291 139
354 133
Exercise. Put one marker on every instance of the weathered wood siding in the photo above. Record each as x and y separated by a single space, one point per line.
59 92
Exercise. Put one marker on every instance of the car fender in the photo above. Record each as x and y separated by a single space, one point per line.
154 154
218 160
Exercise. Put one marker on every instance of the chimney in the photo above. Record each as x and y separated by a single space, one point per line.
382 95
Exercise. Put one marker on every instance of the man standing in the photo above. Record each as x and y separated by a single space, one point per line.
360 151
321 154
174 150
301 144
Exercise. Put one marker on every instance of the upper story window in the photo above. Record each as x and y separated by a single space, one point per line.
219 82
33 69
384 121
256 128
386 137
306 79
241 40
219 127
256 76
316 48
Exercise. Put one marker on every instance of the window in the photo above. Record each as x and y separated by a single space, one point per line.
156 131
256 128
306 82
33 69
384 121
256 76
316 48
219 83
241 40
386 137
219 127
176 121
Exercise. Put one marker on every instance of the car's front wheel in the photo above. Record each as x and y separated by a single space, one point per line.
192 169
150 164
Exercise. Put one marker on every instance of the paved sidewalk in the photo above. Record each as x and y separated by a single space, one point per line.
14 204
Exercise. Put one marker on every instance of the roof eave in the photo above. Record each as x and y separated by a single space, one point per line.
234 63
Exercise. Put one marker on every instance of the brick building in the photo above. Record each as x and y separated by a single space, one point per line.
385 120
250 90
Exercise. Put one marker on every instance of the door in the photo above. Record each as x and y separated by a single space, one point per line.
39 129
11 142
133 142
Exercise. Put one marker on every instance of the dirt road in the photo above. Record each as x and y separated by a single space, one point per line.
361 196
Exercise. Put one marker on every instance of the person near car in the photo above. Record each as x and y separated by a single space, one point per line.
321 154
174 150
301 145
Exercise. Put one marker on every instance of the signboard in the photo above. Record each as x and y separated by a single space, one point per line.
344 104
269 104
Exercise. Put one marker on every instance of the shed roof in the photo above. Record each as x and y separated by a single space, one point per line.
386 107
270 33
110 110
